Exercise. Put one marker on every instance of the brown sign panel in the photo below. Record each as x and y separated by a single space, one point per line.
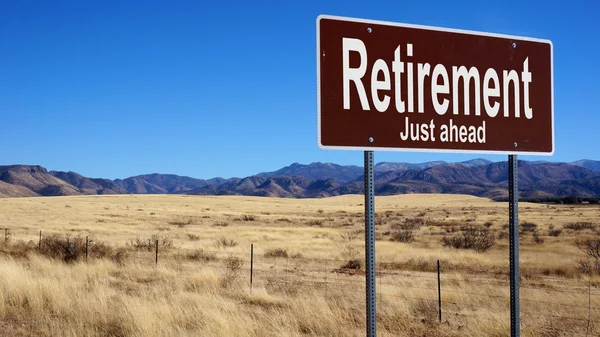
388 86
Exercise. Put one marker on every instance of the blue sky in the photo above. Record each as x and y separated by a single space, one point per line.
221 88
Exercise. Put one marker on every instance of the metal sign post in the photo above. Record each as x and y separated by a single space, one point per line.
370 244
513 227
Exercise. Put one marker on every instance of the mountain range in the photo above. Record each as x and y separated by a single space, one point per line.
477 177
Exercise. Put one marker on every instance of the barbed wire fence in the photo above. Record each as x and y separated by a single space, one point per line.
444 293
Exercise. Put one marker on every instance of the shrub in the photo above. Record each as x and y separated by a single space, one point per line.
349 249
276 252
554 232
141 244
193 237
450 229
488 224
121 255
578 226
224 242
71 249
247 217
18 249
163 240
410 224
537 238
180 224
590 246
233 264
405 236
315 223
150 244
59 247
352 264
471 237
588 267
98 249
528 227
350 236
201 255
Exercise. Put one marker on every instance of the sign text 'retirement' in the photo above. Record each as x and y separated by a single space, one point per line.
445 85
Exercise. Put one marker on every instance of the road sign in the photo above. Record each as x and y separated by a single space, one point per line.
390 86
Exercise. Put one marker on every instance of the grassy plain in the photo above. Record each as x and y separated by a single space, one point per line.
200 286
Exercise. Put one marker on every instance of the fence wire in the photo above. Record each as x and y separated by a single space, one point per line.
392 285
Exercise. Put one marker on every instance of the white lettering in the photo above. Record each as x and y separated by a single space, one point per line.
436 89
423 70
526 78
398 69
354 74
511 76
495 92
491 110
473 73
376 85
409 80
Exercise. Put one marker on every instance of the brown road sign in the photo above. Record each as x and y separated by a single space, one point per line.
391 86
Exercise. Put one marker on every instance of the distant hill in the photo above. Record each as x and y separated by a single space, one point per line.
487 180
315 171
344 174
30 180
477 177
89 185
593 165
10 190
387 166
159 183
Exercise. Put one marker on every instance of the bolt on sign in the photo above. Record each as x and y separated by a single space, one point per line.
391 86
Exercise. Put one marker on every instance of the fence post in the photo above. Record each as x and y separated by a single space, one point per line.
439 292
40 242
251 263
156 258
86 249
5 234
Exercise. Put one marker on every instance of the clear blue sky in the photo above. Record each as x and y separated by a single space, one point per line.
221 88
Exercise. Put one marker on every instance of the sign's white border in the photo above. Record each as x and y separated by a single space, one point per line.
450 30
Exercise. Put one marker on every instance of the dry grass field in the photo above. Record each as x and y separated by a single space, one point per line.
307 267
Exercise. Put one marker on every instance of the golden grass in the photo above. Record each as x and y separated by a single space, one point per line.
305 294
